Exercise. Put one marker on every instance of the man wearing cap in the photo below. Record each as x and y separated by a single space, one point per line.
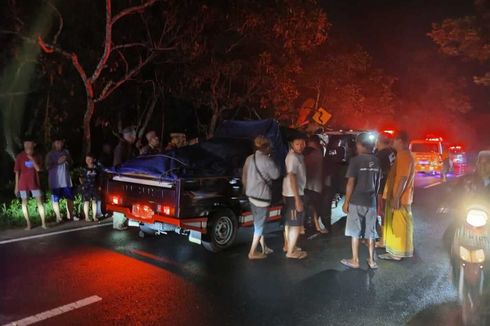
177 140
363 176
126 148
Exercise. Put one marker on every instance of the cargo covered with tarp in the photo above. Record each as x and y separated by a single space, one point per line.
222 155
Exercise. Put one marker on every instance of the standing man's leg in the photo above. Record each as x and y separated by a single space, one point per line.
86 205
25 211
293 236
295 221
371 259
259 215
40 207
286 235
70 211
94 210
353 229
56 204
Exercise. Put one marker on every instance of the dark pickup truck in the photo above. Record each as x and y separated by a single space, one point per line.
195 191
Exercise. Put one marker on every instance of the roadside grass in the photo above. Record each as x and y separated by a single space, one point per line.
11 215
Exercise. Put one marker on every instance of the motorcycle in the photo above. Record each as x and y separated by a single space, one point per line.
470 254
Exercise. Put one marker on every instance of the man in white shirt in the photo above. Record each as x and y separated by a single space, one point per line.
293 190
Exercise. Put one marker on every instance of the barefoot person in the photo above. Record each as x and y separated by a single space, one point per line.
258 172
91 188
293 191
58 163
363 177
398 228
27 166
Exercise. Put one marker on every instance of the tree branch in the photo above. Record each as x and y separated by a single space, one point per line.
107 42
110 89
133 10
129 45
60 18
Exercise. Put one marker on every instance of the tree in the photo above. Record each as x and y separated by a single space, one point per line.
253 52
342 78
467 37
96 94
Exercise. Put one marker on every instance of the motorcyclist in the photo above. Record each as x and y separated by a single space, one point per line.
475 188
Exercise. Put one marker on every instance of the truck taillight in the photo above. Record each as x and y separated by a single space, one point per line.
166 210
116 200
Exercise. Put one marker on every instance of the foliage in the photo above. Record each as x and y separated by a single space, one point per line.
11 212
467 37
343 79
252 54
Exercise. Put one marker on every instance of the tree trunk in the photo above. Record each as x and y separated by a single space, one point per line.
147 118
213 123
87 118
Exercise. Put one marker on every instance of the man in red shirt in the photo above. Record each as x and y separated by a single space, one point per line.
27 166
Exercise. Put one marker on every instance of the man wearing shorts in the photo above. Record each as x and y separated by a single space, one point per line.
293 190
27 166
58 163
258 173
363 174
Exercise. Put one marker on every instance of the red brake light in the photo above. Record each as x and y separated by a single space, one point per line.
166 210
116 200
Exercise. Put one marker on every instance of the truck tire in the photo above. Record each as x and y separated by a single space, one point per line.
222 231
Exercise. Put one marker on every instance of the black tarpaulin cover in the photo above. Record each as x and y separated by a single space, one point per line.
223 155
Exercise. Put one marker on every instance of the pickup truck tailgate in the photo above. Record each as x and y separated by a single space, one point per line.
128 191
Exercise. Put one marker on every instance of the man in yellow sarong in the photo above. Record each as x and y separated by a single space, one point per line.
398 228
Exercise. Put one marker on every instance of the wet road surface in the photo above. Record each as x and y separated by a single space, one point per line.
169 281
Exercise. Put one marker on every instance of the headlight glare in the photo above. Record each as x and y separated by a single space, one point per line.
476 218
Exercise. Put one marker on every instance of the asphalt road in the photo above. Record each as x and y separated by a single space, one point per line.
106 277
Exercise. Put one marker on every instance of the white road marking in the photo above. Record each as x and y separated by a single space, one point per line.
433 185
55 312
44 235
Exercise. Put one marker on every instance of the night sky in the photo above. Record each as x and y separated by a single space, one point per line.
393 31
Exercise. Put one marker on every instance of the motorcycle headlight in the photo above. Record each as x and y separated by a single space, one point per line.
476 218
472 256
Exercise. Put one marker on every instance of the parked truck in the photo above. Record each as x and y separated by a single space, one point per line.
195 191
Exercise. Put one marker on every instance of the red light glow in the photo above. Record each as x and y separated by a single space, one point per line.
167 210
116 200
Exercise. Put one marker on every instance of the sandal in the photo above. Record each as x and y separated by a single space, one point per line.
297 255
295 249
257 256
372 265
322 231
388 256
267 251
346 262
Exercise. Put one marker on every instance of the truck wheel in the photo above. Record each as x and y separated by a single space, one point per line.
222 231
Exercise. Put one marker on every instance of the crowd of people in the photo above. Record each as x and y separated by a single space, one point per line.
59 165
379 194
378 198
